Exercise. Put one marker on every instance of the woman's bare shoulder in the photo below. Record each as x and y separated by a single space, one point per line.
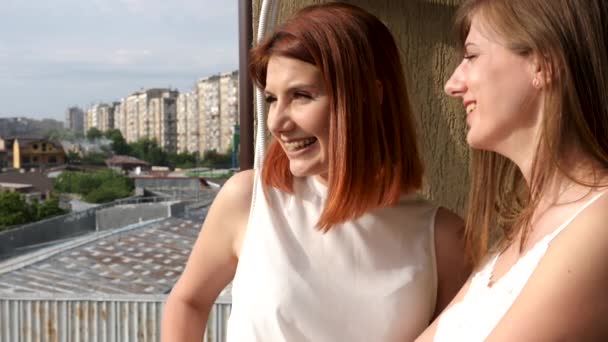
237 191
566 298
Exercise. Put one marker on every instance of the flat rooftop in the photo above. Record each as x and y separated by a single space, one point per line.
145 259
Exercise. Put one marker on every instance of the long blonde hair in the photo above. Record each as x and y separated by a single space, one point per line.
571 36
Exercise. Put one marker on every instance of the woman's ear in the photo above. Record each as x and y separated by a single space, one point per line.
380 91
543 73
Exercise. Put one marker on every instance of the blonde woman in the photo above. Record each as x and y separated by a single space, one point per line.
534 83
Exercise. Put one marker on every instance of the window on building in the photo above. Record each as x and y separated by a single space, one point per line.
44 147
52 160
35 146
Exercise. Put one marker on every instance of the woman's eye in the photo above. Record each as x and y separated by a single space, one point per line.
469 57
270 99
302 96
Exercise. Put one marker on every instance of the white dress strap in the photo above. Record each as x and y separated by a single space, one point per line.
482 307
556 232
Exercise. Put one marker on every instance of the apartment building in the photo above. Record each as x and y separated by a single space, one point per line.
218 111
74 119
187 122
120 116
106 116
229 109
100 116
208 106
91 118
196 121
150 114
162 114
131 120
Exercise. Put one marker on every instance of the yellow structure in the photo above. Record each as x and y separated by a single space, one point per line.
16 155
36 152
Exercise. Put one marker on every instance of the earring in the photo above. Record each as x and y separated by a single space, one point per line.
536 83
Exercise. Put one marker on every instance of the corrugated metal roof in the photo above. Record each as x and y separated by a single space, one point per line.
141 260
108 286
115 319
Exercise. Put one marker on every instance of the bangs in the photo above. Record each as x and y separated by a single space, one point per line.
281 43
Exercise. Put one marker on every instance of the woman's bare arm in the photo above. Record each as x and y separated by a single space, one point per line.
452 266
212 263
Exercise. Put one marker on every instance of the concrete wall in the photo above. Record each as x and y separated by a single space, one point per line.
52 229
178 208
423 30
83 222
168 183
124 215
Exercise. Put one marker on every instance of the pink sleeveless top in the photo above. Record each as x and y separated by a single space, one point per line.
371 279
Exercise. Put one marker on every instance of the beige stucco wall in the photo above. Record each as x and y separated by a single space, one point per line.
422 29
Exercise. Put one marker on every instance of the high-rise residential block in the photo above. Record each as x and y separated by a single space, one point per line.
218 111
229 109
162 114
187 123
120 116
150 114
100 116
208 113
74 119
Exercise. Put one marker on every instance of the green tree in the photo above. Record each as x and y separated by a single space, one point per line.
182 160
14 209
73 157
148 150
49 208
119 144
95 187
214 159
94 133
94 158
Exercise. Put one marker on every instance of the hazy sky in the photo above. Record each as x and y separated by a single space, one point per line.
59 53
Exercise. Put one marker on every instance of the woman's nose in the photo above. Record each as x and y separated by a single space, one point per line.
278 118
456 86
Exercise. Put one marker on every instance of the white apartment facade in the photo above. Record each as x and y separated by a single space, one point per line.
196 121
229 109
218 111
208 112
187 123
100 116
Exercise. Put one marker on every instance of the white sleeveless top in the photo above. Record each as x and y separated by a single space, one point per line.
371 279
474 318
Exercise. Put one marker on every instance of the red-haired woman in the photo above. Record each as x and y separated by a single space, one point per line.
335 245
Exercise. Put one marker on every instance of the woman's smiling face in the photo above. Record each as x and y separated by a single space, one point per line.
298 114
496 86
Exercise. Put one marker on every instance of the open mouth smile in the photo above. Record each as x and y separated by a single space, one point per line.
297 145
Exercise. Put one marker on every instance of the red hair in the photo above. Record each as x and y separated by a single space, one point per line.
373 152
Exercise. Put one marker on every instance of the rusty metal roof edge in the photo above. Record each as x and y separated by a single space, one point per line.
34 257
96 297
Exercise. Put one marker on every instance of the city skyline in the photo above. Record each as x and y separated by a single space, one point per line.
54 55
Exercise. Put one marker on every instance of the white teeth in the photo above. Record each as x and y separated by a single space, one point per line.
471 107
299 144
